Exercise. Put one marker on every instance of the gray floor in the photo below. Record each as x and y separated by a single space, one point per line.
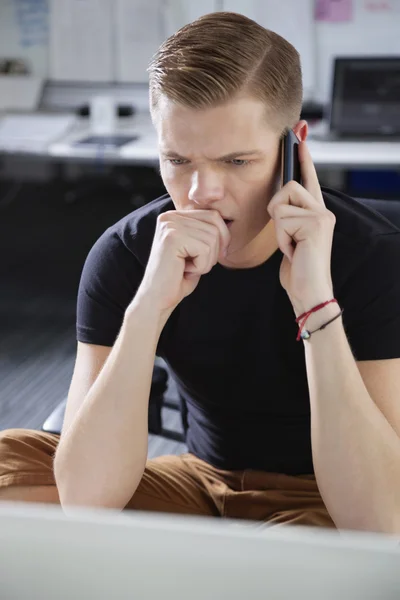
36 363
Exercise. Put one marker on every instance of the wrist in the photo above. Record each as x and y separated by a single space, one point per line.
317 319
144 307
309 301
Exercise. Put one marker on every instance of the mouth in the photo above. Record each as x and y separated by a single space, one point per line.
228 222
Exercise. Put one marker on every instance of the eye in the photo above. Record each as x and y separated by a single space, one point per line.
176 161
239 162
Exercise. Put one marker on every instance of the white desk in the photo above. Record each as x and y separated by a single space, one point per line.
346 154
142 151
350 155
326 154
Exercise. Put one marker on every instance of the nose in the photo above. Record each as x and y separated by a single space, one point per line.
206 188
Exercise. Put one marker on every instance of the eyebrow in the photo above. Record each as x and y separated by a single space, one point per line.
225 157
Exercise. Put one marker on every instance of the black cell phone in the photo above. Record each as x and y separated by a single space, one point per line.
290 164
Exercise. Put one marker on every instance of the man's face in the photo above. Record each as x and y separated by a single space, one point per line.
225 158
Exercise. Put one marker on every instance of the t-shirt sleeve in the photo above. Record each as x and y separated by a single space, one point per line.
109 281
372 302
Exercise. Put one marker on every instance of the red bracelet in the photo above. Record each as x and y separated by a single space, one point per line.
301 320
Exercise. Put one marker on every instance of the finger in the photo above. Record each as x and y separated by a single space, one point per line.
213 217
283 211
299 229
285 242
309 174
195 225
293 194
292 230
200 250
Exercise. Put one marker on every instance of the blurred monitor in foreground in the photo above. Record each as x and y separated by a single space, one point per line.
103 554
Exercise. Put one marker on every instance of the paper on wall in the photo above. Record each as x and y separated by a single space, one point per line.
334 11
378 7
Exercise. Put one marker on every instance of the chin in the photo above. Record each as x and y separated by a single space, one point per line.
244 241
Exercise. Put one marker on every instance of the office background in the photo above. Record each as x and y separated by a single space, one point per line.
57 195
119 36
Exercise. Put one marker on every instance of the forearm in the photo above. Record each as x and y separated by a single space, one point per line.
101 459
356 453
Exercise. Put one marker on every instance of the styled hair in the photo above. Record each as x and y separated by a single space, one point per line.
225 55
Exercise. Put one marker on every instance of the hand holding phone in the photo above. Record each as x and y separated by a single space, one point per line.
304 228
290 164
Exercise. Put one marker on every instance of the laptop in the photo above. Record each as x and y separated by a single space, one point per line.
365 99
103 554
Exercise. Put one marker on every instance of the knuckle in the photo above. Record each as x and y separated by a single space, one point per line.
167 218
215 216
163 222
331 217
319 219
278 210
207 249
215 230
202 264
324 217
293 186
169 235
164 217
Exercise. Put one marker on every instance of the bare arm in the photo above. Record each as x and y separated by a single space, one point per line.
356 450
354 420
103 447
89 361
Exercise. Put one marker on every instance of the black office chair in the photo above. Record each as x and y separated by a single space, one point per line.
388 208
157 402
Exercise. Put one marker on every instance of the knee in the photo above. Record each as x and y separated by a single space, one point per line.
23 438
11 444
10 438
27 452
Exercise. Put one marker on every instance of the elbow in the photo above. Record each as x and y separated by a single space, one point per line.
394 526
74 494
79 490
390 525
72 497
71 503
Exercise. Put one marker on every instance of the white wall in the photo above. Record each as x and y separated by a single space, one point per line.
26 28
368 32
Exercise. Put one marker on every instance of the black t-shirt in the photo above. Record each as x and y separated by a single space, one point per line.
231 345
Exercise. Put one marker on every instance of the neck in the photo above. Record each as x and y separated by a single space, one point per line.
257 252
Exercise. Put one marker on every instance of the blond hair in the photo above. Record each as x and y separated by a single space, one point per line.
224 55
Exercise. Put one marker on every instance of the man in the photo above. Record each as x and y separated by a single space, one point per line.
212 277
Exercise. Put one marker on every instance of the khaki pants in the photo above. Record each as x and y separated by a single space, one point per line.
180 484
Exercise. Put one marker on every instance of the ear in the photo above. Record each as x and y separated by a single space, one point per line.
301 130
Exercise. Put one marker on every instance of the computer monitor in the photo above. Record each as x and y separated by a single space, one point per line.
366 97
47 555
